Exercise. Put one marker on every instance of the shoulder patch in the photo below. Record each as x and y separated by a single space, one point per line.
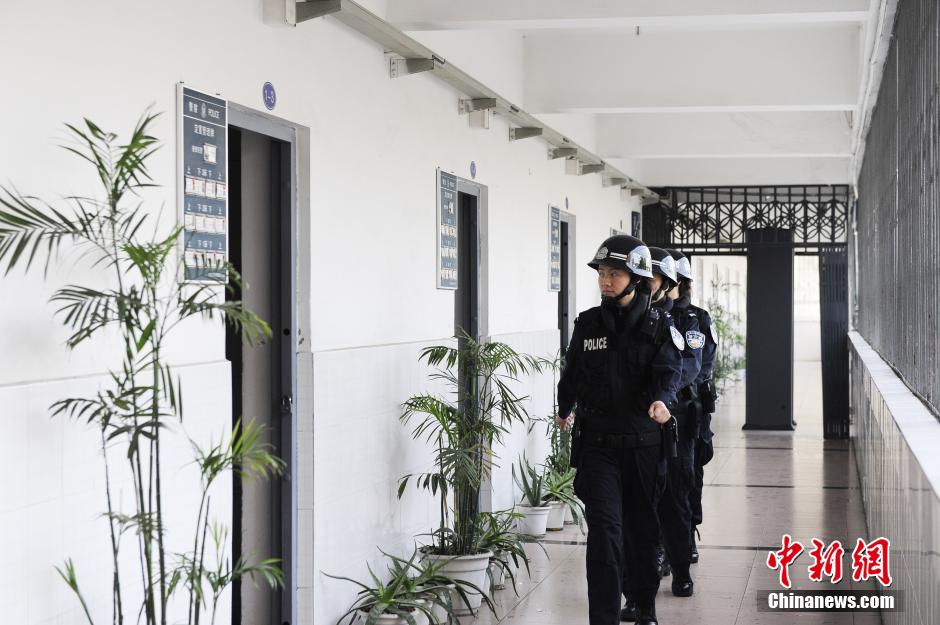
677 339
714 333
695 340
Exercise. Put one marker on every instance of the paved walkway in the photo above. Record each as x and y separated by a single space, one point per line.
758 486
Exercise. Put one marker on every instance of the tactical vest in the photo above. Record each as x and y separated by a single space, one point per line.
613 373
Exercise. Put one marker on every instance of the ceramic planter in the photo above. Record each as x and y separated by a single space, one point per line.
388 619
438 613
470 569
556 516
534 521
498 574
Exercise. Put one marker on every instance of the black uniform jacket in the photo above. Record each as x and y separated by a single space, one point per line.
619 361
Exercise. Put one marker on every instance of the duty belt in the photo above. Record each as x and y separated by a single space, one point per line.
626 440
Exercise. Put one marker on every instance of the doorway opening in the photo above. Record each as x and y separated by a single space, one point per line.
260 243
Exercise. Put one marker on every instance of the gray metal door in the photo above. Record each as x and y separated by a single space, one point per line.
834 312
564 311
262 374
769 329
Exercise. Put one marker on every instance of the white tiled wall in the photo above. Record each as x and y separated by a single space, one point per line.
897 440
361 449
52 493
541 393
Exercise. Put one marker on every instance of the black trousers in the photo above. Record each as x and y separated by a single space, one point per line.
675 513
620 489
704 451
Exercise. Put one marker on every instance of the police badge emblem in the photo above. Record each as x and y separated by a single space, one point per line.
695 340
677 339
601 253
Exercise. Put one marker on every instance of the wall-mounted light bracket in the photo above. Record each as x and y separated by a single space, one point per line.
405 67
524 133
554 153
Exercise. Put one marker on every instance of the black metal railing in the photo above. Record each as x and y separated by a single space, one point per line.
896 282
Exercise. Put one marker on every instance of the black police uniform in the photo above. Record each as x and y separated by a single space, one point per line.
704 449
619 361
675 513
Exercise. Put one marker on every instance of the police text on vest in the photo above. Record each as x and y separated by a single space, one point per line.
591 345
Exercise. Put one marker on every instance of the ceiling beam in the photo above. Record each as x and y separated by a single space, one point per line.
649 15
788 70
740 171
724 135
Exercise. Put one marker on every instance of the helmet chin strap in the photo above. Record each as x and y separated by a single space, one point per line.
661 292
634 283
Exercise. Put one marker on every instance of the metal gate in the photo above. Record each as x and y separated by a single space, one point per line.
739 220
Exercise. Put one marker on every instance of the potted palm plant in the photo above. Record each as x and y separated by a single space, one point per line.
532 484
498 535
463 429
415 592
141 309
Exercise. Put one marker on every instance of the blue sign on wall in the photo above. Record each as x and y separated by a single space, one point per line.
446 230
269 95
203 183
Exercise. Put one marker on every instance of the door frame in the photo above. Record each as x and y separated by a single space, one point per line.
572 268
481 192
298 302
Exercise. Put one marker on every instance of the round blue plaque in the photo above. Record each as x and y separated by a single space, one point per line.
269 95
473 170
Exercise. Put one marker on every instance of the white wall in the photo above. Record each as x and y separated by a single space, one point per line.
807 343
375 144
722 279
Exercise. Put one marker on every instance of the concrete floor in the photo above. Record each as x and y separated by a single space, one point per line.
758 486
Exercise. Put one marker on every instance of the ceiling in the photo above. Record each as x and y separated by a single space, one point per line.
672 92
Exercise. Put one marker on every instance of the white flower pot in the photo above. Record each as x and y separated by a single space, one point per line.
470 569
569 517
420 618
438 613
556 517
534 521
388 619
498 574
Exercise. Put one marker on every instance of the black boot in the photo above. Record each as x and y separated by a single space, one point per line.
694 547
662 562
628 613
646 612
682 581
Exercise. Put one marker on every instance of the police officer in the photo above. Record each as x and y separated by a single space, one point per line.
622 371
705 389
675 513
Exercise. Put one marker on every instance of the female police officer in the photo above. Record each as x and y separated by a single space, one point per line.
675 514
706 396
622 371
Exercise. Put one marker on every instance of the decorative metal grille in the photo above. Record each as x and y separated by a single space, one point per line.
717 219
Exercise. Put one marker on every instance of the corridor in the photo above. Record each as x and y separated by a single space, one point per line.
760 485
